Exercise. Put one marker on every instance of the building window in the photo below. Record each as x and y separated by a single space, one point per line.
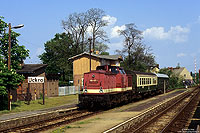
184 75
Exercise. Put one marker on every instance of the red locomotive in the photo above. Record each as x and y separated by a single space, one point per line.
109 86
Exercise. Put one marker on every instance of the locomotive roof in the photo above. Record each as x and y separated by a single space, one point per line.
109 57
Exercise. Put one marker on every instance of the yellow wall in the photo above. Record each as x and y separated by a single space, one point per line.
82 65
186 74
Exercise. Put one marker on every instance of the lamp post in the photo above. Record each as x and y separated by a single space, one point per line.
90 40
9 58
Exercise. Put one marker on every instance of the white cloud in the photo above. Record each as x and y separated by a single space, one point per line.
198 20
181 55
177 34
109 19
115 31
39 51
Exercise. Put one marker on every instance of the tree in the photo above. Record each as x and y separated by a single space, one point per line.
9 78
81 25
139 55
77 24
132 37
57 52
96 24
18 53
102 48
175 81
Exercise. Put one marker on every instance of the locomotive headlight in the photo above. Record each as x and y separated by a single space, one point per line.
85 91
101 90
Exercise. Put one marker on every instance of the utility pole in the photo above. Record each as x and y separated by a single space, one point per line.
195 69
9 63
9 59
90 40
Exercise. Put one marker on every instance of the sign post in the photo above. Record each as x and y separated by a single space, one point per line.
37 80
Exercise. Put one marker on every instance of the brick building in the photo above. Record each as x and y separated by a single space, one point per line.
37 70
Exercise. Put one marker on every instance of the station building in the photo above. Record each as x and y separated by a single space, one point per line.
37 70
81 64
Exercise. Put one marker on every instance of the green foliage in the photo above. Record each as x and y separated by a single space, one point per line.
57 52
104 53
18 53
9 78
175 81
137 55
197 77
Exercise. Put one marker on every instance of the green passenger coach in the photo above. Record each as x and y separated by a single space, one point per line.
145 82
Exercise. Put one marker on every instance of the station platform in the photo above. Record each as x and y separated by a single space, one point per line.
10 116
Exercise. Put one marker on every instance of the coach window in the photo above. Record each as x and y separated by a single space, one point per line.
154 80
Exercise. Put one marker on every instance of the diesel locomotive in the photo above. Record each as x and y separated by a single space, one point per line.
109 86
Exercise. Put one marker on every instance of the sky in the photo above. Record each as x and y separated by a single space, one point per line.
171 27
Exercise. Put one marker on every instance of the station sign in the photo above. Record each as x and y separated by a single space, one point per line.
35 79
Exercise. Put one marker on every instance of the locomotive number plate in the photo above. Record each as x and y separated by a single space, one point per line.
94 81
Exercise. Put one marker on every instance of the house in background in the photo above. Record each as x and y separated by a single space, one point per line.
37 70
183 72
81 64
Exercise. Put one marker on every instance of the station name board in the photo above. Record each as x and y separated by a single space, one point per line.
35 79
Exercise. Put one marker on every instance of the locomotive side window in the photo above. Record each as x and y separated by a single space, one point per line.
100 68
122 71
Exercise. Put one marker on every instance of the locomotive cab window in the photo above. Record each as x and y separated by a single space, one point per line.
114 70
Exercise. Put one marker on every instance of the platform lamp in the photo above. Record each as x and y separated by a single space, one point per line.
9 57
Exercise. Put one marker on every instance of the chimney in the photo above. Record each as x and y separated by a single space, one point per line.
157 65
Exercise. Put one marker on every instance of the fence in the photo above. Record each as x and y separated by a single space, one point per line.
68 90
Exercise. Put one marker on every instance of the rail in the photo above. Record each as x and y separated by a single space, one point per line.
179 114
138 122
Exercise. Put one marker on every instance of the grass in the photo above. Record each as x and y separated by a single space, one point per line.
63 129
87 121
20 106
77 125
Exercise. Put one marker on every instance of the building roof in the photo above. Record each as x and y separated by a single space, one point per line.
159 75
108 57
31 68
138 73
178 70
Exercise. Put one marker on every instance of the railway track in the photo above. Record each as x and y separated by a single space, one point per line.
70 116
168 116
